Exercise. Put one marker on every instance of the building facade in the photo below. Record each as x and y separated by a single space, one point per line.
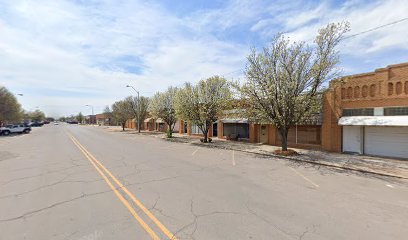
364 114
368 113
104 119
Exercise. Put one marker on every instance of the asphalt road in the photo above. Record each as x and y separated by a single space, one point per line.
88 183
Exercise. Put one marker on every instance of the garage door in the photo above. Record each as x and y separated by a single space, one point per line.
352 139
386 141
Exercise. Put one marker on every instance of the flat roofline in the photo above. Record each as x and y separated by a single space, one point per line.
335 81
404 64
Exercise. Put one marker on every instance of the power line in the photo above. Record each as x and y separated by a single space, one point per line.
229 73
347 37
376 28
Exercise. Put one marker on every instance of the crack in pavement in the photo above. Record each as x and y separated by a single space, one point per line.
61 181
154 207
38 175
45 165
196 218
314 228
154 180
251 211
30 213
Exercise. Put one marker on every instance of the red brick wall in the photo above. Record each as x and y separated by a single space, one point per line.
382 88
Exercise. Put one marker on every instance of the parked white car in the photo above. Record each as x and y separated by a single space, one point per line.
18 128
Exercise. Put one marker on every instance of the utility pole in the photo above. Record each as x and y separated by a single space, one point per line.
138 108
91 118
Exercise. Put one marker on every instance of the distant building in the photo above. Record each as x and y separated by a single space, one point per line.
90 119
104 119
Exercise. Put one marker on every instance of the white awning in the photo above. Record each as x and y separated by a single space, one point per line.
159 120
147 120
374 121
234 120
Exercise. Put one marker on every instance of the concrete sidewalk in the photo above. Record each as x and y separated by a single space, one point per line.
361 163
367 164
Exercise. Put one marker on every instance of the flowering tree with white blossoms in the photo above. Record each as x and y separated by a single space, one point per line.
162 105
284 81
203 103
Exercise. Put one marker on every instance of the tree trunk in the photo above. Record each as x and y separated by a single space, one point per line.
205 137
205 133
123 126
170 129
138 125
284 138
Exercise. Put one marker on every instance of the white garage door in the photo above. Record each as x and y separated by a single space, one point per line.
352 139
386 141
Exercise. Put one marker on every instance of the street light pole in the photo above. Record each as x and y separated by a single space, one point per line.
87 105
138 107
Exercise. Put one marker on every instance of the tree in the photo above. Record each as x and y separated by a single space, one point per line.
139 108
107 110
162 106
202 104
284 80
36 116
107 114
10 109
80 117
50 119
121 112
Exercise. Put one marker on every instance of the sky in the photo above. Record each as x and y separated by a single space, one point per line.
63 55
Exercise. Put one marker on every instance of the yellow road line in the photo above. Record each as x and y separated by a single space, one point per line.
304 177
121 198
134 199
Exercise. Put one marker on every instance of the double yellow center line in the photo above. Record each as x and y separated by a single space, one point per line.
102 170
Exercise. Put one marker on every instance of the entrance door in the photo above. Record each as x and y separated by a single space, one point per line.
185 127
352 139
263 137
215 130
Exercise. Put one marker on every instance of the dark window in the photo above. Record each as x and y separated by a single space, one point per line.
395 111
241 130
358 112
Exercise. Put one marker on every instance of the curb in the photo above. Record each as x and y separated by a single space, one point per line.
296 159
180 140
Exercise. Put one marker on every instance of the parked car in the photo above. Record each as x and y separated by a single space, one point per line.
18 128
36 124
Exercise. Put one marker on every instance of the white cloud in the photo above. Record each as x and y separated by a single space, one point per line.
303 23
63 55
60 47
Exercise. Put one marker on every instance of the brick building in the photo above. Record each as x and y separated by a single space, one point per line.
90 119
364 113
368 113
104 119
